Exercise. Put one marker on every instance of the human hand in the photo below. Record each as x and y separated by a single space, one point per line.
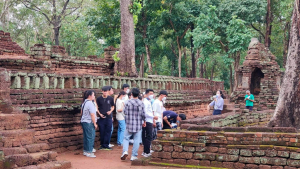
102 116
155 117
109 112
154 124
144 124
95 125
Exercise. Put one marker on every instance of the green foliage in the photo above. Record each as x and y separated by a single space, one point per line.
115 57
136 7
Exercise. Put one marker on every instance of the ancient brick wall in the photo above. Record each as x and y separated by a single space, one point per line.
260 74
8 47
252 148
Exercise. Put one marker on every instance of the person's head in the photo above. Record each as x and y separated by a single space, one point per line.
105 91
140 97
121 95
110 90
125 88
149 93
129 95
248 92
89 94
162 96
220 94
135 92
181 117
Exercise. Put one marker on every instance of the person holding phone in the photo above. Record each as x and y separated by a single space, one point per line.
249 98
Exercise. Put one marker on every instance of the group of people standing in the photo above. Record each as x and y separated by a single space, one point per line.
139 117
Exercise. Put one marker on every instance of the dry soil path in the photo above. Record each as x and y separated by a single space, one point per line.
104 160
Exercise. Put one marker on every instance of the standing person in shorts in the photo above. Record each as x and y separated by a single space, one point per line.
249 98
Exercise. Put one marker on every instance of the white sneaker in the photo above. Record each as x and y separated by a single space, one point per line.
151 151
92 155
133 158
143 153
94 150
131 141
147 155
111 145
124 155
85 153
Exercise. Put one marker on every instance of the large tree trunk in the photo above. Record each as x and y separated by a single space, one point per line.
230 78
179 57
193 55
287 112
126 65
4 14
56 35
236 67
212 71
269 19
148 58
141 74
286 40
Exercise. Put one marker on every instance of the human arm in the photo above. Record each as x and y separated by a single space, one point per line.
93 116
251 98
211 104
167 121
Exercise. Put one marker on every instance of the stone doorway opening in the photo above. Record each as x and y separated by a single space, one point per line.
256 77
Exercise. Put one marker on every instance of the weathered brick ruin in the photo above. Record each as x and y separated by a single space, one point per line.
228 141
260 74
40 95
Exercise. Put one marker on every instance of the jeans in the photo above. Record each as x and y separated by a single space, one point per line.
88 137
147 137
121 130
136 144
155 129
105 131
112 130
217 112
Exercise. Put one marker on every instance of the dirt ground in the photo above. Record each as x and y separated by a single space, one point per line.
104 160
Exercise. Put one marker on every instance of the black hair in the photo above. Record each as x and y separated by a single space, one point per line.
140 97
109 87
105 88
121 93
129 94
163 92
124 86
182 116
222 95
135 92
86 94
149 90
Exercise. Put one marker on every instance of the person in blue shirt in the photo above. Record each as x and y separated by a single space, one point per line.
170 117
217 103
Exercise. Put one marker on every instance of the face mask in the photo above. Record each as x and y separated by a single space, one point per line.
164 99
150 97
127 91
178 121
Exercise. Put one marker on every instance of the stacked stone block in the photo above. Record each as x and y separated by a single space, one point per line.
8 47
258 57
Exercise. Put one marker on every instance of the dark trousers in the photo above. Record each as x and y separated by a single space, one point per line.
217 112
249 107
105 131
147 137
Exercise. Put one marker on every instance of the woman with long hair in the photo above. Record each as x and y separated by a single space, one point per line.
120 116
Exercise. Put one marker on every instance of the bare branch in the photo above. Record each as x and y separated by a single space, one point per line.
186 29
64 8
37 9
173 50
259 31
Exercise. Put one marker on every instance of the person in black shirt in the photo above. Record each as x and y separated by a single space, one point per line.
106 106
170 117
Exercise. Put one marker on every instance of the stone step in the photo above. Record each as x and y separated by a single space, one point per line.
22 160
17 138
33 148
14 121
50 165
14 150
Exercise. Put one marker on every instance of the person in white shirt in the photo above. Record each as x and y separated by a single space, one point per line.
148 129
157 107
120 116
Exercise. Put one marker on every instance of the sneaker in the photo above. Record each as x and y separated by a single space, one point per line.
124 155
111 145
92 155
146 155
143 153
151 151
85 153
107 148
101 148
94 150
131 141
133 158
